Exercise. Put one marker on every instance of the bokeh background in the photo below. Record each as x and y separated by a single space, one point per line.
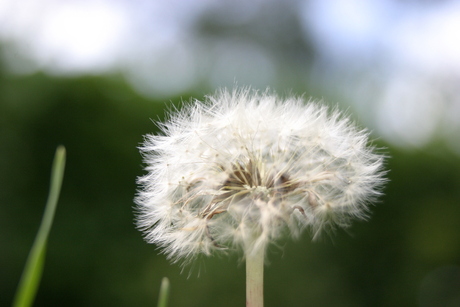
93 74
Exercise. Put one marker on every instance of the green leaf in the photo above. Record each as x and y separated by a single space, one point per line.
33 269
164 293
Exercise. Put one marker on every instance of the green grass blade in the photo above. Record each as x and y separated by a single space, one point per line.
164 293
33 269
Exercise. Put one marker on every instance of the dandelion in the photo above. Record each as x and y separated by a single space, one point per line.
243 169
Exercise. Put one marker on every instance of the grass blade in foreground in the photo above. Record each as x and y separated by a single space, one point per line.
31 275
164 293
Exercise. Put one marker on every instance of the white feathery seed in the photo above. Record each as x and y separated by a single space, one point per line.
244 168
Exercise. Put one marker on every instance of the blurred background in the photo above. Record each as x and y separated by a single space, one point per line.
93 74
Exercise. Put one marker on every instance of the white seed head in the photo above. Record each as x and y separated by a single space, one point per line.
243 168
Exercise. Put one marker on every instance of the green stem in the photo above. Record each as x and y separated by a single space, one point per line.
33 269
255 278
164 293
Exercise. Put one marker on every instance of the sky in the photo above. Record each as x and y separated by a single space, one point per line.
398 61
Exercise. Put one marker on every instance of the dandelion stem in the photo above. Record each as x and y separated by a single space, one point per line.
255 278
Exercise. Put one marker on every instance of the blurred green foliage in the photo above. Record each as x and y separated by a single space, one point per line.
96 257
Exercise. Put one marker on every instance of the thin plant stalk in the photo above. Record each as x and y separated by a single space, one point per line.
164 293
33 269
255 278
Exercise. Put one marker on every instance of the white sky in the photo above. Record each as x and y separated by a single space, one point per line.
95 35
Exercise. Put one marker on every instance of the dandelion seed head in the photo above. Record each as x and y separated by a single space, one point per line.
243 168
